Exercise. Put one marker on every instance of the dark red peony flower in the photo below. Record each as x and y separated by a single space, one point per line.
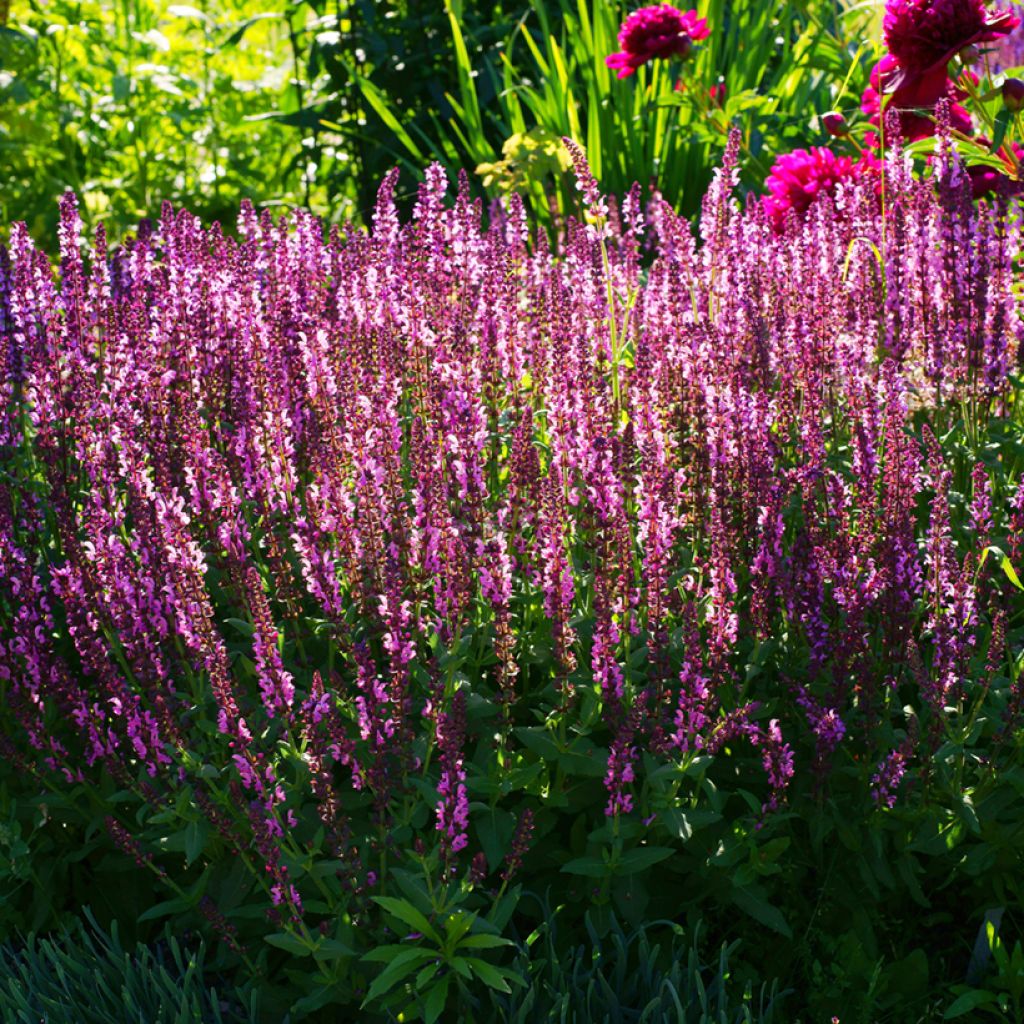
652 32
923 36
798 178
912 100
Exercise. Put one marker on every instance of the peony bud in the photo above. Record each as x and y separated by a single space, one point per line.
1013 94
835 124
969 55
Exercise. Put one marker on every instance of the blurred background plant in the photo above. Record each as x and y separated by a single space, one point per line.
134 102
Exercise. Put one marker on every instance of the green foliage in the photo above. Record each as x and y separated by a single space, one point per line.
448 952
382 76
87 976
630 977
665 124
1002 997
135 103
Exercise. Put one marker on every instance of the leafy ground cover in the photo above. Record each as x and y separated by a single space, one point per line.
578 605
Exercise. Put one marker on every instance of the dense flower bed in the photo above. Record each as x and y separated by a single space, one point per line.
353 579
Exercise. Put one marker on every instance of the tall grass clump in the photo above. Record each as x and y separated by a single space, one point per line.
770 70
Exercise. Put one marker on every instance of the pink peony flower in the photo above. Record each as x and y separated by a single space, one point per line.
798 178
911 99
658 31
923 36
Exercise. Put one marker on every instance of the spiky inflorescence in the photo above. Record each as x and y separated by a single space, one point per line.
405 452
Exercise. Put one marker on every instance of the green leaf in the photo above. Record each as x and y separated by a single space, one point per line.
457 925
965 811
577 762
969 1001
642 857
1003 119
592 867
163 909
236 36
195 839
306 117
460 966
684 823
494 828
1011 574
752 902
312 1002
333 949
384 954
484 942
501 913
433 1007
382 107
400 967
407 913
907 867
772 850
538 740
289 943
490 975
425 975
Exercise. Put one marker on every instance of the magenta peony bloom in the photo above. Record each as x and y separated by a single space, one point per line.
912 100
798 178
923 36
658 31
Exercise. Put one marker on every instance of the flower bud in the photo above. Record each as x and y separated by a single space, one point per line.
1013 94
478 869
969 54
835 124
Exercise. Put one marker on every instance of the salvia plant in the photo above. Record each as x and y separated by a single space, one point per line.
352 581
